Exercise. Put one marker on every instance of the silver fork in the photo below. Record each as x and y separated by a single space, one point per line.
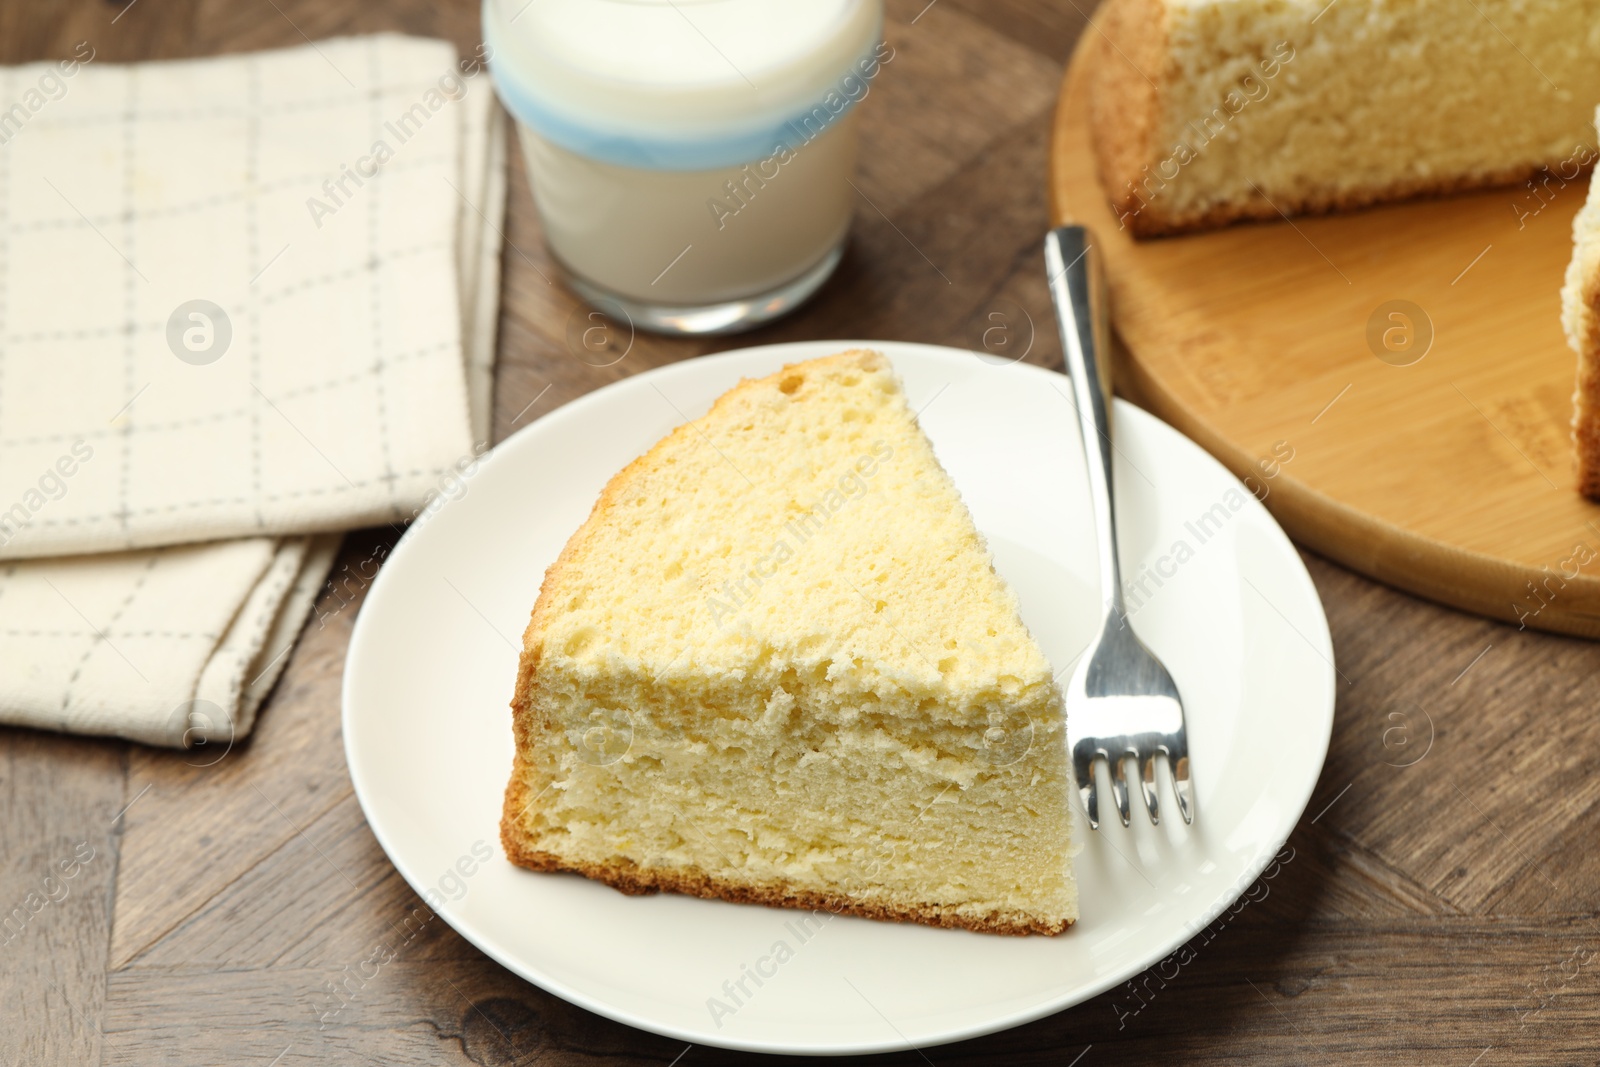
1121 703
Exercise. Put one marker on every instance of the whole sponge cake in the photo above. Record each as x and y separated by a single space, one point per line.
1580 314
1205 112
776 665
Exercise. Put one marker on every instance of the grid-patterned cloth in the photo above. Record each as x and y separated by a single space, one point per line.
340 204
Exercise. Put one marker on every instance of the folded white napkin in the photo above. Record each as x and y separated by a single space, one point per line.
249 297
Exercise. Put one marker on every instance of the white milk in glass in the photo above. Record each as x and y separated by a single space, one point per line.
691 159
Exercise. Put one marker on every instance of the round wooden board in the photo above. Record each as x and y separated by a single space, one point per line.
1450 477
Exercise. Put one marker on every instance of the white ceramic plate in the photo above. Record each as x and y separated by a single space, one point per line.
1218 592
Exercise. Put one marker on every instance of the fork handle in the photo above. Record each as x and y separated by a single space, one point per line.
1078 290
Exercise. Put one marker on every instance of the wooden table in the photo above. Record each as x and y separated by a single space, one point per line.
1438 913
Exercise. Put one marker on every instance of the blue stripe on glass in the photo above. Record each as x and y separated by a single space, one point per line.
705 152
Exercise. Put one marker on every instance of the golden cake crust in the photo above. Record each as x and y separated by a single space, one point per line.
634 880
1124 105
629 877
1586 401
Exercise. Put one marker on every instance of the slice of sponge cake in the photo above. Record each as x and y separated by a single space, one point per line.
776 666
1208 111
1580 314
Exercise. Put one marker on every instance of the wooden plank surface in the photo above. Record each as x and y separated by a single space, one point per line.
241 912
1410 358
62 812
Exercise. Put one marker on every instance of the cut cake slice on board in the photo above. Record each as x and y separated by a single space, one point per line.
1580 314
776 666
1206 112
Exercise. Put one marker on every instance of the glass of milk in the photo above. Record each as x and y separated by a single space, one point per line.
691 159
